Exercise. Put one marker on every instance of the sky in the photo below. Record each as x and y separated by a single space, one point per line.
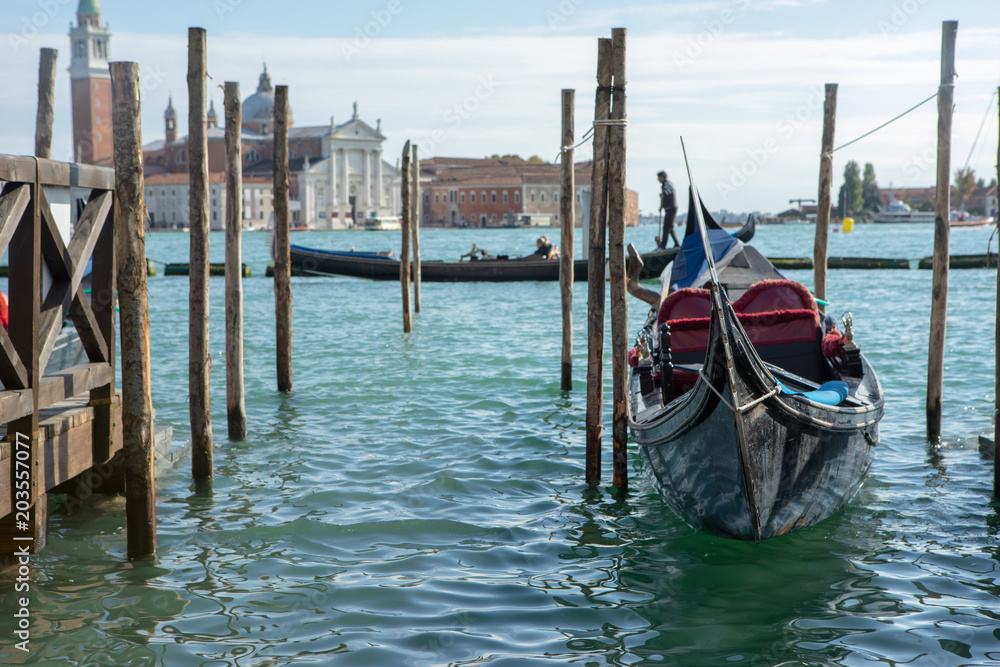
742 81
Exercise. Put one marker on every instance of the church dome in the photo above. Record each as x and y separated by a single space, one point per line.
259 107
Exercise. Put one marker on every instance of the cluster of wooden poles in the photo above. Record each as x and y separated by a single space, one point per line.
130 215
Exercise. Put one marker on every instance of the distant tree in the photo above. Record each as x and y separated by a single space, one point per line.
534 159
980 182
871 199
927 205
965 184
850 200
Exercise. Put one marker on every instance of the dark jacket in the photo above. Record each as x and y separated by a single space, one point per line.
668 198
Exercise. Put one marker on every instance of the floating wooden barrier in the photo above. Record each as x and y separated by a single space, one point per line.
866 263
215 269
963 262
791 262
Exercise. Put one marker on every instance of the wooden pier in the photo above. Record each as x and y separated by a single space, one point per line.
63 425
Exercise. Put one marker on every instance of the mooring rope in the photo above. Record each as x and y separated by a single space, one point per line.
743 408
609 122
852 141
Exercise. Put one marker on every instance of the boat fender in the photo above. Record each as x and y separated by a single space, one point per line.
666 365
829 393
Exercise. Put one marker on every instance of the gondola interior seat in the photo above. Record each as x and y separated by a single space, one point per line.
780 317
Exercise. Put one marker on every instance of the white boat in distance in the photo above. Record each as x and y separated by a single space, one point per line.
383 224
897 211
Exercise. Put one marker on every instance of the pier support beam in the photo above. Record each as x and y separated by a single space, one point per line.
46 99
616 257
996 384
595 266
404 253
130 219
942 221
567 213
199 356
825 194
415 203
282 259
236 411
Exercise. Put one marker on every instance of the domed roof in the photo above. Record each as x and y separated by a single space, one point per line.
260 106
89 7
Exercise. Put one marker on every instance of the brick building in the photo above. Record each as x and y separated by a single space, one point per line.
491 192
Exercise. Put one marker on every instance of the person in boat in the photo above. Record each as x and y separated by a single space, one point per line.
544 249
668 206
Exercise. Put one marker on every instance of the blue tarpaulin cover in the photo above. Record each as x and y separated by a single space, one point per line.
691 262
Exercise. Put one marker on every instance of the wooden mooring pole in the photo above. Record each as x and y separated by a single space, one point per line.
996 384
415 227
404 253
199 356
282 258
825 194
595 265
130 225
942 219
616 259
236 411
567 213
46 99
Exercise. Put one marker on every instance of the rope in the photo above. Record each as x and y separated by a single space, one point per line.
610 122
743 408
913 108
989 107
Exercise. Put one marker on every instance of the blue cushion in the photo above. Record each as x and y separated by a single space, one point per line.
829 393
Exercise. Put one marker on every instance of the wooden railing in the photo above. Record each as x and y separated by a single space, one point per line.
37 258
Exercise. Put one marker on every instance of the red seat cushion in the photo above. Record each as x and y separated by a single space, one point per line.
775 295
683 304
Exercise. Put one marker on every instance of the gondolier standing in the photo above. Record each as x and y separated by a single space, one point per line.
668 207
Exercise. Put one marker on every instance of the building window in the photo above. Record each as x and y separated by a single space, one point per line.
517 196
543 197
532 196
504 196
437 198
463 197
555 197
484 196
427 198
474 197
493 196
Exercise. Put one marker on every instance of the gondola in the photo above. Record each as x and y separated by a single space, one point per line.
754 415
475 266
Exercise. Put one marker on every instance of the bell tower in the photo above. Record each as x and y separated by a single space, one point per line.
90 85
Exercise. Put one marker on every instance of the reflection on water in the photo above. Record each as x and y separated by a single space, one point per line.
419 499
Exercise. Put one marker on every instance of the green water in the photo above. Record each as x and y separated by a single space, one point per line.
419 499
